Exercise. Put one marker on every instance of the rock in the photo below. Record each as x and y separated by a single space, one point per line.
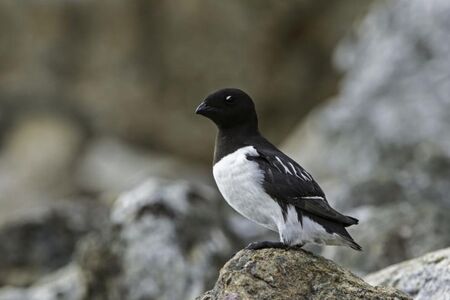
166 241
137 69
100 267
426 277
64 284
387 242
384 141
372 125
295 274
37 242
111 166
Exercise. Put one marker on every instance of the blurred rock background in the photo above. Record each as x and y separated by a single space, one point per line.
381 148
97 101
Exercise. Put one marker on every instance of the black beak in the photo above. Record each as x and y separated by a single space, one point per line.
201 109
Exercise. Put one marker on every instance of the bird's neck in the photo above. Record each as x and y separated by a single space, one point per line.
231 139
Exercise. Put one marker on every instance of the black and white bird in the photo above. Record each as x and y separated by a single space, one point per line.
264 184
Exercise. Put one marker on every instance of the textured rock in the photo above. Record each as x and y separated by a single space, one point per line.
426 277
385 139
295 274
138 68
166 242
65 284
40 241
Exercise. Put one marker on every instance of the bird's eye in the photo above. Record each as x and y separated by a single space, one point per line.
229 99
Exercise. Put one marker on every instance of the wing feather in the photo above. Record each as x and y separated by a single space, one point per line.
287 181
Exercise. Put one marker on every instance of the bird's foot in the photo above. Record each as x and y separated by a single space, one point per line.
265 245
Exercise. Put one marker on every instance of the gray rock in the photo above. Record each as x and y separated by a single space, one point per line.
166 242
40 241
64 284
385 139
388 126
295 274
426 277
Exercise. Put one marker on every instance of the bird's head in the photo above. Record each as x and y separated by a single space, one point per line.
229 108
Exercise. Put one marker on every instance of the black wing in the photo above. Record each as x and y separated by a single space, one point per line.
288 183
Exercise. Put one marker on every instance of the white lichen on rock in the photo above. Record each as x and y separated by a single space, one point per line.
426 277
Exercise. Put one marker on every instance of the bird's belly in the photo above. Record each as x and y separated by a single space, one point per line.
240 183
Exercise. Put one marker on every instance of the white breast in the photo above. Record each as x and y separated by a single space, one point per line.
240 182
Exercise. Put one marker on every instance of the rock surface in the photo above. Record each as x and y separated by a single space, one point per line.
295 274
43 240
165 242
64 284
423 278
383 145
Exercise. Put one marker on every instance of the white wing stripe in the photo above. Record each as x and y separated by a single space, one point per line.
295 171
306 176
312 197
285 168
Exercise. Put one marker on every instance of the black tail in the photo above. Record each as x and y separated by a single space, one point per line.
337 228
349 241
355 246
352 221
352 244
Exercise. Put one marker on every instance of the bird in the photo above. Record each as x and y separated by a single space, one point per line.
265 185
